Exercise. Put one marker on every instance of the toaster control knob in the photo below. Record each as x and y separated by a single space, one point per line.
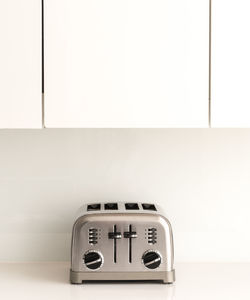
93 259
151 259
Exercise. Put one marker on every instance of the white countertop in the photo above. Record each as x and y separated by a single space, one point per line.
194 281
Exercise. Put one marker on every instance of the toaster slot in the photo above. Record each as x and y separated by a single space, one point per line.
131 206
111 206
115 235
94 207
147 206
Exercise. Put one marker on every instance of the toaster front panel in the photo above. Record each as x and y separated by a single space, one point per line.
122 243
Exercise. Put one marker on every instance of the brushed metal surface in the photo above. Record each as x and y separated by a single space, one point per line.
79 277
104 222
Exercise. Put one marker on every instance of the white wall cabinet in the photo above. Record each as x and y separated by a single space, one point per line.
126 63
20 64
230 63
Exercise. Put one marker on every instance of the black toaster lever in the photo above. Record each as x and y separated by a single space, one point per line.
115 235
130 234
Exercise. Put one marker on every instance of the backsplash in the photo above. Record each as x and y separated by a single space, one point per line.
200 177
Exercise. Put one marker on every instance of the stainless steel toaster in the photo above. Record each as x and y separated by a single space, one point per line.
121 241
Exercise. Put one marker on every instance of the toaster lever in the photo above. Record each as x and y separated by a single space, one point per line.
115 235
130 234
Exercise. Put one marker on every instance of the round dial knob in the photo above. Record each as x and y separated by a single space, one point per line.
93 259
151 259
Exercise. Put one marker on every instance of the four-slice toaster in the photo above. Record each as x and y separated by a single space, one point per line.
121 241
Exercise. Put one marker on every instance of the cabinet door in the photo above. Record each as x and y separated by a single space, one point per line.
20 64
126 63
230 63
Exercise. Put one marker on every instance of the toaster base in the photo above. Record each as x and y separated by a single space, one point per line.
80 277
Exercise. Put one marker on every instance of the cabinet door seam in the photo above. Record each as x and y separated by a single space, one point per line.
210 65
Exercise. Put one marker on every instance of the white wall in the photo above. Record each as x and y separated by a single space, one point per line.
201 177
